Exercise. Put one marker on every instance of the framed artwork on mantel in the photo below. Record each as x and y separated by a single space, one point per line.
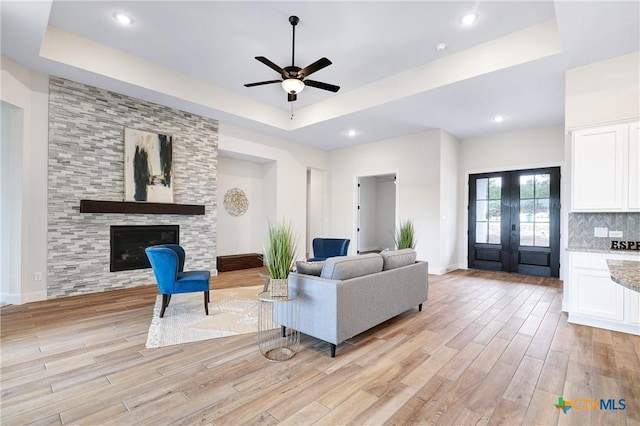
148 166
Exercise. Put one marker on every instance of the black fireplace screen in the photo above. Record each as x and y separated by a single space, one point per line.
128 244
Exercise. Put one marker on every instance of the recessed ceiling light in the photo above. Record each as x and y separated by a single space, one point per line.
352 133
468 19
498 119
441 47
123 18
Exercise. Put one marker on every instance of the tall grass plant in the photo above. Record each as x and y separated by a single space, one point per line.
280 251
406 235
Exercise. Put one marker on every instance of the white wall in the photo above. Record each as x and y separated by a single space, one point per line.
10 200
29 92
241 234
415 160
315 206
386 209
449 178
603 92
532 148
285 175
368 215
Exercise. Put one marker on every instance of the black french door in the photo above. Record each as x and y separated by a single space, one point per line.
514 221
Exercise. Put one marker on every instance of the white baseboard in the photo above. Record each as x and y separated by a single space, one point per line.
442 271
603 323
21 299
367 249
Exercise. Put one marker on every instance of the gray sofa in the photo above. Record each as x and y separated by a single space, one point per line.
355 293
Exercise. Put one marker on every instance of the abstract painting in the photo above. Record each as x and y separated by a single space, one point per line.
148 166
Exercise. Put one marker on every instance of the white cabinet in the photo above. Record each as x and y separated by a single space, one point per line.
594 294
598 301
634 166
634 307
605 169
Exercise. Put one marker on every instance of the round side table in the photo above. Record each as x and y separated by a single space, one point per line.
277 342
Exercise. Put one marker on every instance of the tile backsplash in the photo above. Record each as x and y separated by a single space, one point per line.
581 229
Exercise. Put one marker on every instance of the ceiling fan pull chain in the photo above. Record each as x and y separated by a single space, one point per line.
291 103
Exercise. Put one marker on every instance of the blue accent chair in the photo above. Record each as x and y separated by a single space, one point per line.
167 261
329 247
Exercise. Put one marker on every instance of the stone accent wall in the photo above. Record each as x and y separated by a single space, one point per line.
581 229
86 161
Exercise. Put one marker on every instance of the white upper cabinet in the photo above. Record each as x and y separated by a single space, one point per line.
634 166
605 169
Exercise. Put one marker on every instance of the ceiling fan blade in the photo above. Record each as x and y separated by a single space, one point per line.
316 66
291 97
261 83
321 85
271 65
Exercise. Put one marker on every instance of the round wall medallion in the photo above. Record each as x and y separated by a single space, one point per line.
236 202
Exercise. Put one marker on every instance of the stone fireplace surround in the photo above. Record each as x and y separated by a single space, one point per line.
86 161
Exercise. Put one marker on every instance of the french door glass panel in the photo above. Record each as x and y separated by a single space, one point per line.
534 209
514 221
488 210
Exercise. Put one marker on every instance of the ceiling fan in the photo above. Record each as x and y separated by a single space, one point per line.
293 77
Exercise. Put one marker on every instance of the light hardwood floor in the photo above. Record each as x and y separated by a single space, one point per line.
487 348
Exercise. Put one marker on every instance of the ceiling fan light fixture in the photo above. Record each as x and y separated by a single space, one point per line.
293 85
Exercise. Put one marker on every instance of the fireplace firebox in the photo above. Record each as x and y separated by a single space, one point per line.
128 244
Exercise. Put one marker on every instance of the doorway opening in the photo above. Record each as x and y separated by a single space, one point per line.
514 221
376 213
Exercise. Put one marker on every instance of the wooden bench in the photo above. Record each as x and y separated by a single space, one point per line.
236 262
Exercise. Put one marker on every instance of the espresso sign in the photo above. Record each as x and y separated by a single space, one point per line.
625 245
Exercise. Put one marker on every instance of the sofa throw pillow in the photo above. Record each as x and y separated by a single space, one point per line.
309 268
397 258
346 267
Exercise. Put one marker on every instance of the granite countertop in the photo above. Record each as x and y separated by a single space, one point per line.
625 272
600 250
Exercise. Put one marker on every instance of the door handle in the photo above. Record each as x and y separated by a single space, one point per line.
513 227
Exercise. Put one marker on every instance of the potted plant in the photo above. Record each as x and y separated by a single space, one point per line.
405 235
279 256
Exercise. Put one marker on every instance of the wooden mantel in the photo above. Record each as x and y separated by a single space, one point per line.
133 207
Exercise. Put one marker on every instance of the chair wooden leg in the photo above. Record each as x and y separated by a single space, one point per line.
166 298
206 302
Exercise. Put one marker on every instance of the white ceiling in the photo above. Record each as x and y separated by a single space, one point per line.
197 55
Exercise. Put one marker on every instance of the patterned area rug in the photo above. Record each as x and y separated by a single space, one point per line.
231 311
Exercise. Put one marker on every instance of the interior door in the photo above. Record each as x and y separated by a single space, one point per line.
514 221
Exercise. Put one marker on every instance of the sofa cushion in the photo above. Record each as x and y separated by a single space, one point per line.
309 268
397 258
346 267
